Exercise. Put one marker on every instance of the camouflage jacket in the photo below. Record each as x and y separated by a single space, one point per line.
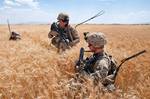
14 36
99 67
70 36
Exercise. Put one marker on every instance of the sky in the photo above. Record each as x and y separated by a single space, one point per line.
46 11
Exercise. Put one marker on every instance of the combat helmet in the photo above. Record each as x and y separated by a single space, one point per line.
63 16
97 39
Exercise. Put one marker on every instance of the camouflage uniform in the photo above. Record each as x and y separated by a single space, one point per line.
15 36
63 38
99 65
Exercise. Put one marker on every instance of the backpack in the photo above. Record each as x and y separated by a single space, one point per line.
113 65
112 68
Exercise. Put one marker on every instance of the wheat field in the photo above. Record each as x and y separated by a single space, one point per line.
30 68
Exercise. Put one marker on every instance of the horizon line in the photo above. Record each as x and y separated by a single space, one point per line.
82 24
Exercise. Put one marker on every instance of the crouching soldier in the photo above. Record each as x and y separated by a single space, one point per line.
14 36
100 66
62 34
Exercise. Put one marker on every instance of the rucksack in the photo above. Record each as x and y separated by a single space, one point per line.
112 68
113 65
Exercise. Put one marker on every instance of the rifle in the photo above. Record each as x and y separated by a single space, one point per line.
60 34
80 64
126 59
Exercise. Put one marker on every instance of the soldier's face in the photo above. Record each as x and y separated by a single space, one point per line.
63 23
91 47
94 49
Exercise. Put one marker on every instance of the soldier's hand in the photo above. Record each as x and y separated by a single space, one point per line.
52 33
71 44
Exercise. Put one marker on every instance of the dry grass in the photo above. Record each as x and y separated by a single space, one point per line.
31 68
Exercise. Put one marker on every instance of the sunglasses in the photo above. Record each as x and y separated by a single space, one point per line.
89 45
65 20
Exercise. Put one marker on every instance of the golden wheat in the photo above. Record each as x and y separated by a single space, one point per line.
31 68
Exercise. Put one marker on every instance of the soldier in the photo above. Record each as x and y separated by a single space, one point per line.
100 65
62 34
14 36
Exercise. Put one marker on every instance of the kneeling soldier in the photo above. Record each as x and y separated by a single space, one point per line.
62 34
